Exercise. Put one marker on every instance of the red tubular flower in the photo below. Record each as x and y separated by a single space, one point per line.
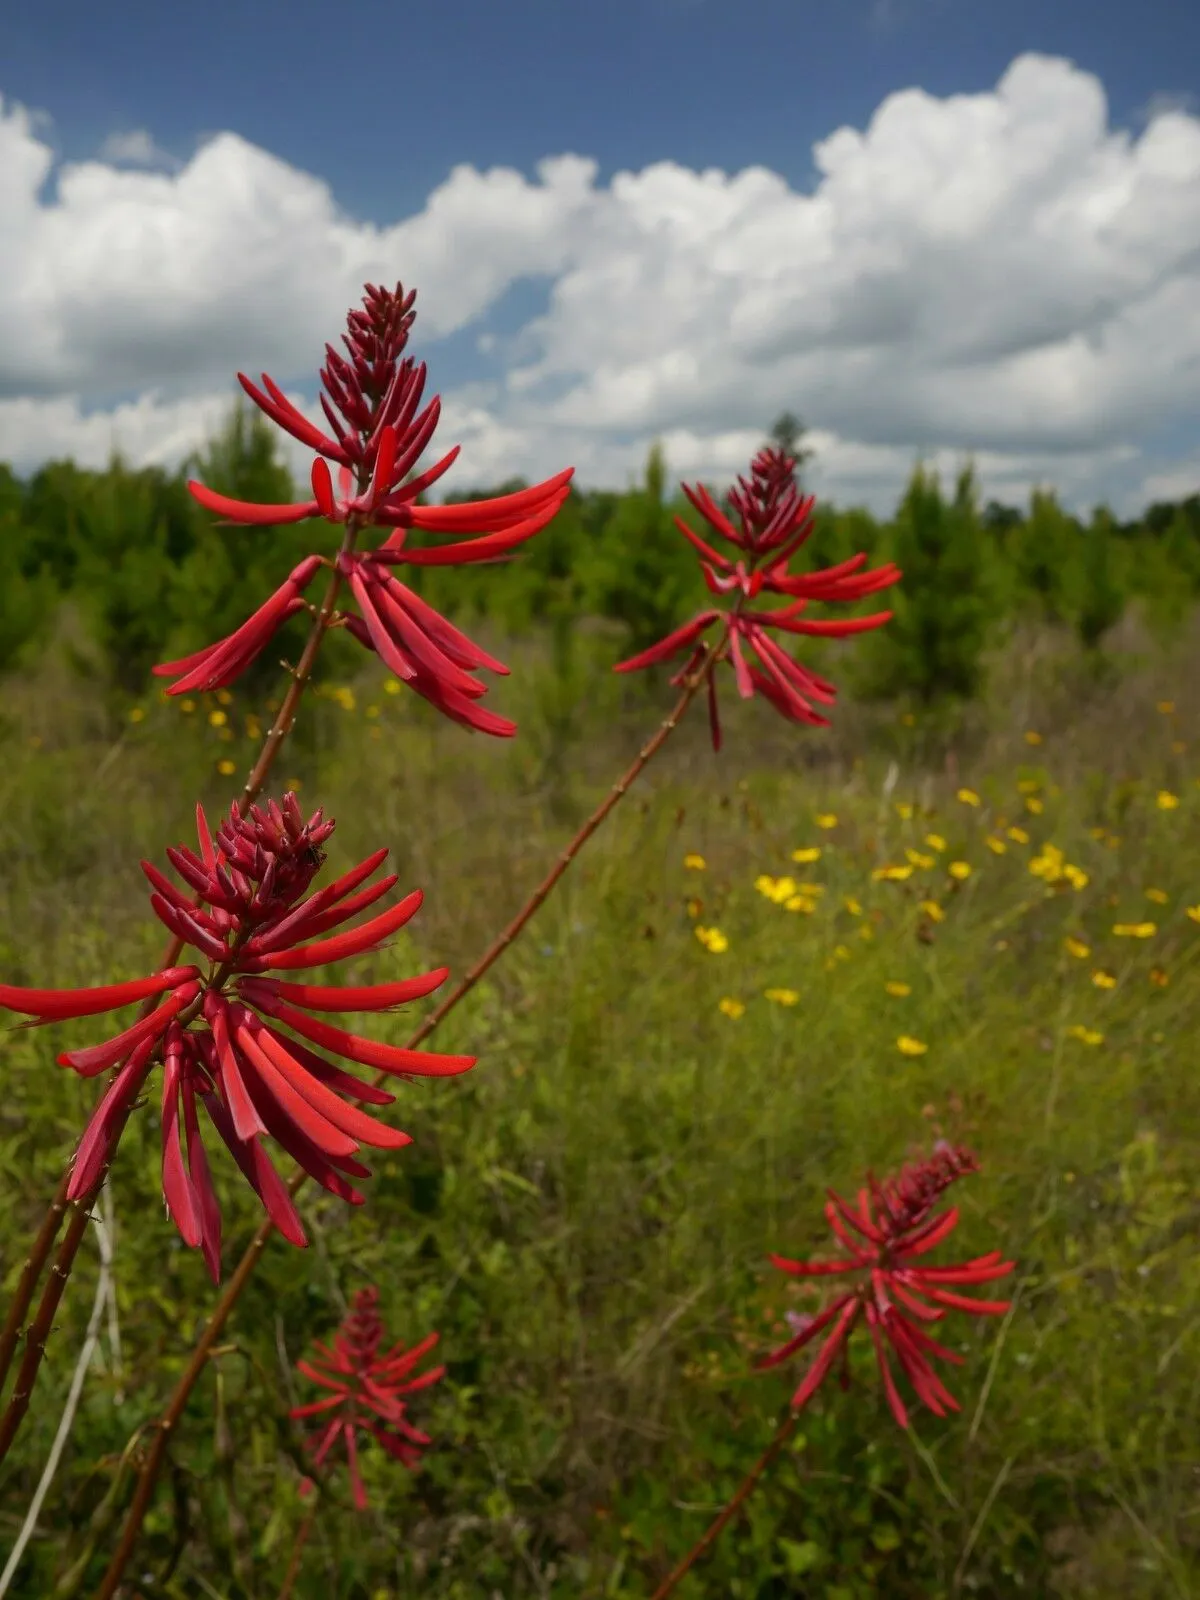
367 1390
884 1234
774 520
211 1031
376 443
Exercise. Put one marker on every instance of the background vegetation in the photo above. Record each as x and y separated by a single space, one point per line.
586 1216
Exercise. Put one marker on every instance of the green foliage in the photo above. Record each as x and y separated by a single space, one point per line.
1044 550
1099 599
933 649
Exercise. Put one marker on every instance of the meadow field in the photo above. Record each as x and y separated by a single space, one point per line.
773 970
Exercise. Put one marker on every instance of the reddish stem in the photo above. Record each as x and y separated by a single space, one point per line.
289 1577
709 1537
241 1275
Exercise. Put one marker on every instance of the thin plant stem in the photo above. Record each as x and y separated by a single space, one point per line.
289 1577
191 1373
80 1209
743 1492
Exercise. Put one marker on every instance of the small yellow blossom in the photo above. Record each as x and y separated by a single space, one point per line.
908 1046
1075 876
694 863
1048 863
1028 785
996 846
842 952
1033 805
968 797
891 874
217 719
391 686
776 889
1076 947
731 1007
900 990
1033 737
292 783
224 698
1159 896
1166 801
917 859
1135 930
694 908
712 939
904 809
1159 978
1085 1035
933 911
1018 835
815 890
807 853
935 841
800 902
826 820
855 910
1166 707
226 768
187 705
960 870
782 997
1103 980
1194 913
137 714
865 931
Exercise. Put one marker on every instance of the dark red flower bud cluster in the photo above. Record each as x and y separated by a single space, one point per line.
368 1391
373 404
254 1078
886 1232
774 520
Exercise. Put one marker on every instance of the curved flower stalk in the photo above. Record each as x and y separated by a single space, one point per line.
773 522
226 1036
379 432
885 1233
367 1392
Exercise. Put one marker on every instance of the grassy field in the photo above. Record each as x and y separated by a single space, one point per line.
586 1216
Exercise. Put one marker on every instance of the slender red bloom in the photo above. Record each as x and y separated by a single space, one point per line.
885 1233
379 432
226 1036
367 1391
774 520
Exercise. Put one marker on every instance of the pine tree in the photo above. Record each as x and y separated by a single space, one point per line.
1100 593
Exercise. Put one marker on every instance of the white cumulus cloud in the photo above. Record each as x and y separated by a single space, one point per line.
1001 272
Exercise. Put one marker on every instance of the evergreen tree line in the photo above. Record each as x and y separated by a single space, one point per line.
148 576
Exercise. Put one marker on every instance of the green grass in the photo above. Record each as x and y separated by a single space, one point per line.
586 1216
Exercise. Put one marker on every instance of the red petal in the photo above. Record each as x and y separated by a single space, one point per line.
56 1005
368 997
245 511
370 1052
99 1056
352 942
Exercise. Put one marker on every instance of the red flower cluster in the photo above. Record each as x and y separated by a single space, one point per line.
367 1392
774 520
886 1232
253 1078
377 442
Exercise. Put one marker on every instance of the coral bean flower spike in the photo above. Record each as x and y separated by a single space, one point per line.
886 1232
773 521
226 1035
377 442
367 1390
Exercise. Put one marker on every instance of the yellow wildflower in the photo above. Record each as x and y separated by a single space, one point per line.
855 910
826 820
137 714
900 990
1166 707
1018 835
968 797
731 1007
996 846
1028 785
1048 863
917 859
1194 913
841 952
1076 947
694 908
187 705
865 931
933 911
1166 801
935 841
1159 896
1032 737
712 939
1104 980
1159 978
226 767
782 997
960 870
800 902
1135 930
908 1046
217 719
904 809
391 686
1034 805
1085 1035
807 853
694 863
1075 876
891 874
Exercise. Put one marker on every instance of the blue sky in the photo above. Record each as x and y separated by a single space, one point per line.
353 119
